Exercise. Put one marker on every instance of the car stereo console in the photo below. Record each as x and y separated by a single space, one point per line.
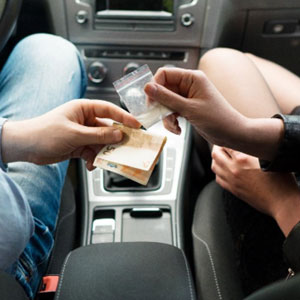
115 37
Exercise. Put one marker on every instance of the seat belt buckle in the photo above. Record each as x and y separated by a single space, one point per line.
48 287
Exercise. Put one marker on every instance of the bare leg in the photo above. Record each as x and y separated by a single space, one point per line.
240 81
284 84
256 88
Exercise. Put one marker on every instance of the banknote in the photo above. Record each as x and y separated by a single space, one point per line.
135 157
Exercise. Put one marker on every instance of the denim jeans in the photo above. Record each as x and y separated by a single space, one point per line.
42 72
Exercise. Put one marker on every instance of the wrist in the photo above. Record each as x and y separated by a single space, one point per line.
235 132
15 141
263 137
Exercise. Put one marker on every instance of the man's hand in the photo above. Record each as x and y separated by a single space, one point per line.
275 194
73 130
191 95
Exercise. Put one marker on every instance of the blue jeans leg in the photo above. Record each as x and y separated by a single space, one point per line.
42 72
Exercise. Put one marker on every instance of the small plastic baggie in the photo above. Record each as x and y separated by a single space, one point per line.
131 91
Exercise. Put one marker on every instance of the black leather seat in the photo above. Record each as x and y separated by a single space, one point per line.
216 275
215 267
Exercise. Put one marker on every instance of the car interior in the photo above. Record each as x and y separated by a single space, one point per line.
116 239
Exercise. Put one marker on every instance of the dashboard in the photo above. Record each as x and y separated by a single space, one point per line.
117 36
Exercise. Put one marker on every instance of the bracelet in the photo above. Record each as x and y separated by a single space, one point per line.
287 157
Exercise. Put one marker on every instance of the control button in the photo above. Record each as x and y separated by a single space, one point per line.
103 230
187 19
281 26
165 55
105 225
130 68
102 238
97 72
169 66
278 28
82 16
92 53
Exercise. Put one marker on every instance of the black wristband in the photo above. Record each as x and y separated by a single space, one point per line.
291 248
287 158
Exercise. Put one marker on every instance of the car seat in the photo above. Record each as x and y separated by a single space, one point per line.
215 266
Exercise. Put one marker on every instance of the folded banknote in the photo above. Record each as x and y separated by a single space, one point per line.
134 157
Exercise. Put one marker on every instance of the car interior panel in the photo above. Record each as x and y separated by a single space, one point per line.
117 239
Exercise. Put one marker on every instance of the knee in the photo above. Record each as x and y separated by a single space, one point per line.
47 43
50 55
217 57
47 47
252 57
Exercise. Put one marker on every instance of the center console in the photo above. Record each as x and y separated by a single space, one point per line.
137 213
114 38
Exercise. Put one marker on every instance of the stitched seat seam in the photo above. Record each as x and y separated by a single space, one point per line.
62 276
188 275
212 265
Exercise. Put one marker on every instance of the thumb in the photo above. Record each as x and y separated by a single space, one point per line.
166 97
98 135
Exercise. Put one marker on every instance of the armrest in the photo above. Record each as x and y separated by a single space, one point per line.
126 271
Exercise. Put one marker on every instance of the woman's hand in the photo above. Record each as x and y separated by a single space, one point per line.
275 194
191 95
73 130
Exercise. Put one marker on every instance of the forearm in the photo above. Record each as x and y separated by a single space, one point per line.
257 137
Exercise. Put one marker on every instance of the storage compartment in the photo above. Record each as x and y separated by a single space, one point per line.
149 224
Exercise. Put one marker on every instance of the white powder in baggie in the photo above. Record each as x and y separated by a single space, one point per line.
154 114
131 91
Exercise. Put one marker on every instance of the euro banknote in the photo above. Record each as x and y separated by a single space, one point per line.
134 157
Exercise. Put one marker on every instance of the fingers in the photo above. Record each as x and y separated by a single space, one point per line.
171 124
182 81
88 154
173 85
104 109
243 160
223 183
175 76
166 97
98 135
89 165
171 76
221 157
